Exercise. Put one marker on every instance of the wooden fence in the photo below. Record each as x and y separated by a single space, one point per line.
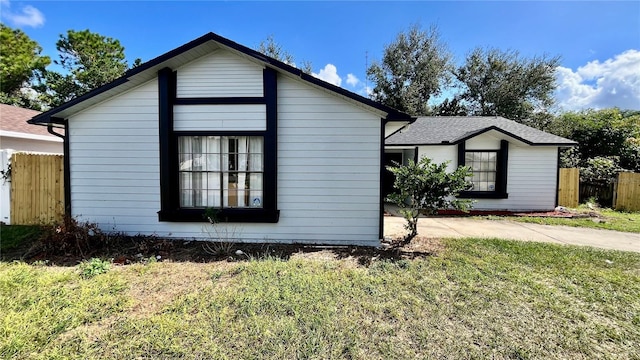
624 194
628 192
37 188
568 187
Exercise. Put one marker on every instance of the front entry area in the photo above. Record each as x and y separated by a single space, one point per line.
387 181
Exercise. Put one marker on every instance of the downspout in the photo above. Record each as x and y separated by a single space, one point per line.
66 164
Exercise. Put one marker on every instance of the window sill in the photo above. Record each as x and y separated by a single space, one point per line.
483 195
223 215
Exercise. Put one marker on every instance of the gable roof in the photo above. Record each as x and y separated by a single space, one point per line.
188 52
451 130
13 121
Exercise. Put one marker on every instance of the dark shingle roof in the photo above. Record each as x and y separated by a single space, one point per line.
438 130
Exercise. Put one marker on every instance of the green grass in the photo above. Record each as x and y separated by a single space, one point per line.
613 220
13 236
477 299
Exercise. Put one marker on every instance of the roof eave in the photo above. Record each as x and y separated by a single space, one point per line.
392 114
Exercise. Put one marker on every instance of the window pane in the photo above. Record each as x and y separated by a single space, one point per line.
220 171
255 162
186 198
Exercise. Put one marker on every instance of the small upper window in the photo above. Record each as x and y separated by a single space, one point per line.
221 171
483 166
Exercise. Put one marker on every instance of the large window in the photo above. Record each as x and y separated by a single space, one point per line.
221 171
483 166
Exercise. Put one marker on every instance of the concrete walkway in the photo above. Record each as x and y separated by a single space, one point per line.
458 227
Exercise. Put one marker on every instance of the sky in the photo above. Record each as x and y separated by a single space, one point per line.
598 42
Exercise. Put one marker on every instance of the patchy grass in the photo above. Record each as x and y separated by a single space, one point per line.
40 303
611 220
14 236
475 299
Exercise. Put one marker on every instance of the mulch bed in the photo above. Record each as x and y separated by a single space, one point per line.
137 249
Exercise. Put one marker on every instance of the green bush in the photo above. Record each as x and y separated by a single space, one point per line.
426 187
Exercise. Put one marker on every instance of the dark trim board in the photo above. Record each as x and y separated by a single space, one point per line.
170 209
168 155
221 101
557 175
381 182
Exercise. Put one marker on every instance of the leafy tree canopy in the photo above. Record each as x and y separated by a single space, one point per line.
413 69
272 49
608 142
503 83
450 107
20 63
90 60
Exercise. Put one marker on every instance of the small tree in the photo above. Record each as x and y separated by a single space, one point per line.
426 186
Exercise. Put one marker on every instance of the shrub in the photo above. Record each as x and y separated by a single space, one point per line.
426 186
74 238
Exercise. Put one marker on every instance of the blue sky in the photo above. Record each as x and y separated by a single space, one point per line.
599 42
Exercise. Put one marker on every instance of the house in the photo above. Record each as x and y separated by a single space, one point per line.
213 127
514 166
17 135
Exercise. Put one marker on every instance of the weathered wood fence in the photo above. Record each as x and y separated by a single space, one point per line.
624 194
37 188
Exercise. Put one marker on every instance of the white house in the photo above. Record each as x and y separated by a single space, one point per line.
514 166
279 155
17 135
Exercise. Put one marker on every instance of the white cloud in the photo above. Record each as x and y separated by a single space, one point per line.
352 80
329 74
26 16
614 82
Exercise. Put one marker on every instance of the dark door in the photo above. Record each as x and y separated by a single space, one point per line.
388 178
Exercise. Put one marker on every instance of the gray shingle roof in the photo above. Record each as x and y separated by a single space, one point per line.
436 130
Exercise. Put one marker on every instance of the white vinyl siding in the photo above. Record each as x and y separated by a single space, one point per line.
328 167
219 117
531 172
115 171
220 74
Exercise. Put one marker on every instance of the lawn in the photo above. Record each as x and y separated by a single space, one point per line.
474 298
15 236
608 220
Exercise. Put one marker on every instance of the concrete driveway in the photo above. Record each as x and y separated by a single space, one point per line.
458 227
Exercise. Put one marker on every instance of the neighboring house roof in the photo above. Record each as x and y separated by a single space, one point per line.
13 123
450 130
186 53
